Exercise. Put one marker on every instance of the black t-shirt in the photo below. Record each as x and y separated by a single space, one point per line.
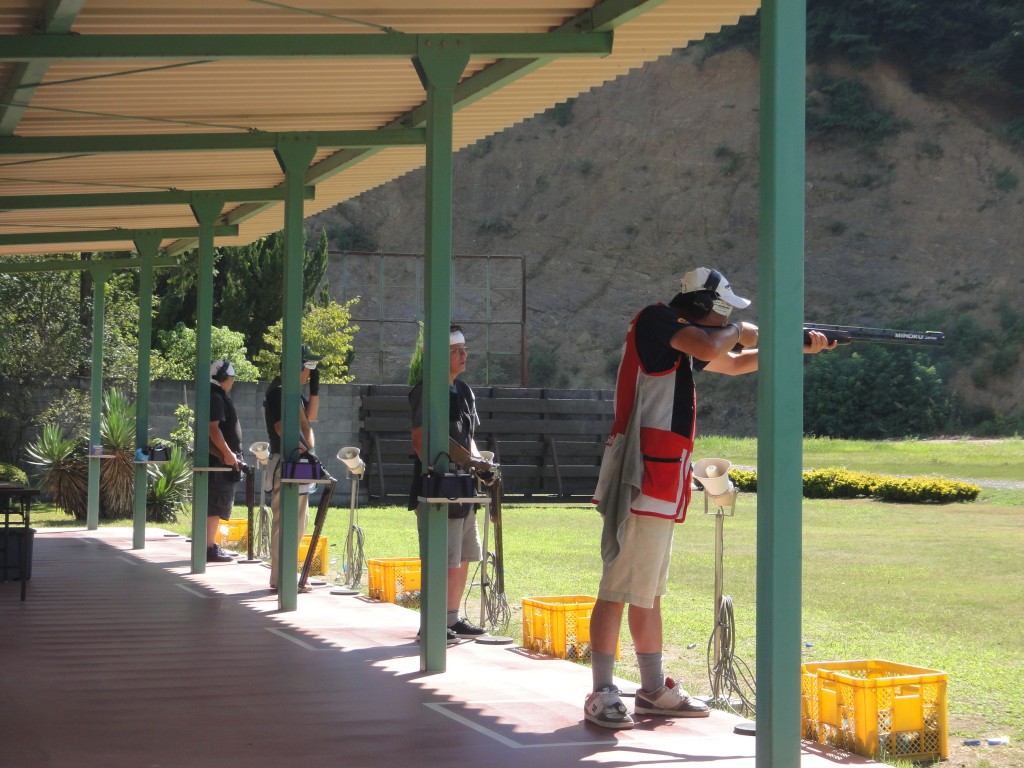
655 327
272 413
222 410
462 423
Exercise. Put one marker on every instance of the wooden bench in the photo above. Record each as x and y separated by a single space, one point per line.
549 442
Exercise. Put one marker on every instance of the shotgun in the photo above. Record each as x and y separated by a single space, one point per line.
844 334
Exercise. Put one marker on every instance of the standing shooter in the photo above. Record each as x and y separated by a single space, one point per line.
308 411
463 534
644 484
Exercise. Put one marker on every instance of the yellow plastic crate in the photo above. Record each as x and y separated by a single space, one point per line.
394 579
876 708
559 626
237 534
320 561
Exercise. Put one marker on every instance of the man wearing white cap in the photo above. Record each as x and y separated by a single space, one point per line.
644 484
463 535
225 449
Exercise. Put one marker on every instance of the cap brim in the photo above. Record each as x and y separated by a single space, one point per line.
733 300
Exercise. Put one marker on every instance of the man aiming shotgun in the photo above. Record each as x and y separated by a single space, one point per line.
644 483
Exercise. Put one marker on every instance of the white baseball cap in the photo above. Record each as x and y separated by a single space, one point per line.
222 369
705 279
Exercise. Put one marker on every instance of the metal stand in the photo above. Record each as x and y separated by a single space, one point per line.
250 503
318 525
720 494
492 593
353 563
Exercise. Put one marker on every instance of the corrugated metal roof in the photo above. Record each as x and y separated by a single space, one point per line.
89 97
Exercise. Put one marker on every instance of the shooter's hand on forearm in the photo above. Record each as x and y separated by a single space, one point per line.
748 335
816 341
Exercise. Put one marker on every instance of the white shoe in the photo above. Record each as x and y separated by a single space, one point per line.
671 701
604 707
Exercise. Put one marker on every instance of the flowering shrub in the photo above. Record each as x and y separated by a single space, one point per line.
835 483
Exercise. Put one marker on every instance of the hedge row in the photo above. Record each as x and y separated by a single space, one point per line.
832 483
11 474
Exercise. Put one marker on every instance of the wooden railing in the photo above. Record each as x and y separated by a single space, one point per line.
549 442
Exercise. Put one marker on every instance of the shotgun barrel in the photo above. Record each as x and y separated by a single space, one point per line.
845 334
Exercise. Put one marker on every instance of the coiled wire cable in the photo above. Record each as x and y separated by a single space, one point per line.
355 561
731 681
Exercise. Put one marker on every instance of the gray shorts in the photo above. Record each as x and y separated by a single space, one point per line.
463 540
640 572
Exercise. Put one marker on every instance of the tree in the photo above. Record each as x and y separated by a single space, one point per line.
176 356
39 337
874 392
247 287
121 330
327 330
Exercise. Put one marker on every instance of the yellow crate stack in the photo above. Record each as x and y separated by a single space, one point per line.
876 708
559 626
236 534
320 560
394 579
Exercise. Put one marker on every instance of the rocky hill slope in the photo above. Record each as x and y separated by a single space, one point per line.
612 197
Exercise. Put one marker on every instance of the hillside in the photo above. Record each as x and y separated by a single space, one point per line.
612 197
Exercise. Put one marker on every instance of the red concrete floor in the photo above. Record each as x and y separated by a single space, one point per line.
121 657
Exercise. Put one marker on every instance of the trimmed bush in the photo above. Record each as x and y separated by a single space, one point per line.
835 483
832 483
744 479
924 489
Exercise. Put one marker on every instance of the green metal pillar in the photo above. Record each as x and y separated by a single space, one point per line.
780 393
147 245
294 153
99 284
206 208
439 65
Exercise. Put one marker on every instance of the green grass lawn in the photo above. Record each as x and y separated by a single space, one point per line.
937 586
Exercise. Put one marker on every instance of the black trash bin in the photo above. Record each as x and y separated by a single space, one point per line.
16 553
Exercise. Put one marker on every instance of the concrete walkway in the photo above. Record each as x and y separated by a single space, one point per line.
121 657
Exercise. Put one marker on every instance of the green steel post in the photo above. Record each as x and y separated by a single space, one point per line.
294 153
206 208
99 283
147 245
439 66
780 393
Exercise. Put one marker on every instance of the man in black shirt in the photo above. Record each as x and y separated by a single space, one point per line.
463 536
225 449
272 415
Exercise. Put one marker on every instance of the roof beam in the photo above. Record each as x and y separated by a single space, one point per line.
108 235
77 265
57 18
49 47
605 16
200 142
612 13
170 197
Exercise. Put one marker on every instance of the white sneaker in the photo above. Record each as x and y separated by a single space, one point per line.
671 701
604 707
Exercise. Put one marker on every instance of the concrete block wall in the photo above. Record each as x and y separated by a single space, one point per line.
337 424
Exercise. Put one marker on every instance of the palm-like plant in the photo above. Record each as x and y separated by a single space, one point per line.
117 474
63 474
169 488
